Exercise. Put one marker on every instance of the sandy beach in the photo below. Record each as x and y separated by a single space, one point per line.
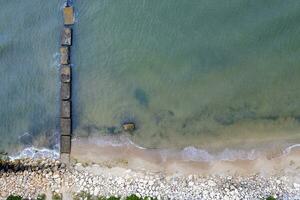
170 162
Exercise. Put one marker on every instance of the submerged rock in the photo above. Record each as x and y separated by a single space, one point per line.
129 127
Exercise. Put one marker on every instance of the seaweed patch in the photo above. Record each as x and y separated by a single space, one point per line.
141 96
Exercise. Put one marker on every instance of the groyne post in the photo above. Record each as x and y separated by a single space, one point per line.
66 85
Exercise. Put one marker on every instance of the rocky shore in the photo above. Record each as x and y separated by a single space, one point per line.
29 178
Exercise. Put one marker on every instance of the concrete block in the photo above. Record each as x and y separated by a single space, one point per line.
65 144
68 15
64 55
65 91
65 158
66 36
65 73
65 126
65 109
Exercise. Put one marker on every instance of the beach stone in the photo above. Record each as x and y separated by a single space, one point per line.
65 91
96 191
65 110
65 73
64 55
211 183
191 184
150 182
66 36
68 15
65 144
296 185
129 127
65 126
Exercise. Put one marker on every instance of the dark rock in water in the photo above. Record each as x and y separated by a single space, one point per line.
230 118
3 157
26 139
112 130
163 115
141 96
126 116
91 128
225 120
129 127
271 117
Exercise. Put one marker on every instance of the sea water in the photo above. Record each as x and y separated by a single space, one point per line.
29 84
204 74
210 75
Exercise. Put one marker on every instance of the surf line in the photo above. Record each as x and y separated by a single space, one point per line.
66 83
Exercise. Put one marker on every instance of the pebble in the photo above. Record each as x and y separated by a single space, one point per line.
77 178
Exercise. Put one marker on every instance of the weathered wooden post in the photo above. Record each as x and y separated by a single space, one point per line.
66 85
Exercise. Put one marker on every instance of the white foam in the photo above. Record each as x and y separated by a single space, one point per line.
55 60
192 153
34 153
117 141
189 153
135 145
288 149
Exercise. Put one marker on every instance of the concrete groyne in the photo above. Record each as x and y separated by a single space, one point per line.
66 84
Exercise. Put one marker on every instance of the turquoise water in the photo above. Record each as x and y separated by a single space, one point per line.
212 74
29 42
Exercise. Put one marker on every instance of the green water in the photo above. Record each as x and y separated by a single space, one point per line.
204 73
210 74
29 41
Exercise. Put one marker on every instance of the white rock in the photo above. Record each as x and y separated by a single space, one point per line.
191 183
150 182
296 185
226 197
55 176
96 191
119 181
211 183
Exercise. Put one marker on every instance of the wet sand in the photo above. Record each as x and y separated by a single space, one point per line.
128 156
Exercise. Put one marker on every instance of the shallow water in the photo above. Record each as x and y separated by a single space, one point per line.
29 42
208 74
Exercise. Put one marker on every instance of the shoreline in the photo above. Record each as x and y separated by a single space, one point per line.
188 160
123 170
124 153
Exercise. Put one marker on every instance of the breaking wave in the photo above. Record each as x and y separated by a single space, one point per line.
35 153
